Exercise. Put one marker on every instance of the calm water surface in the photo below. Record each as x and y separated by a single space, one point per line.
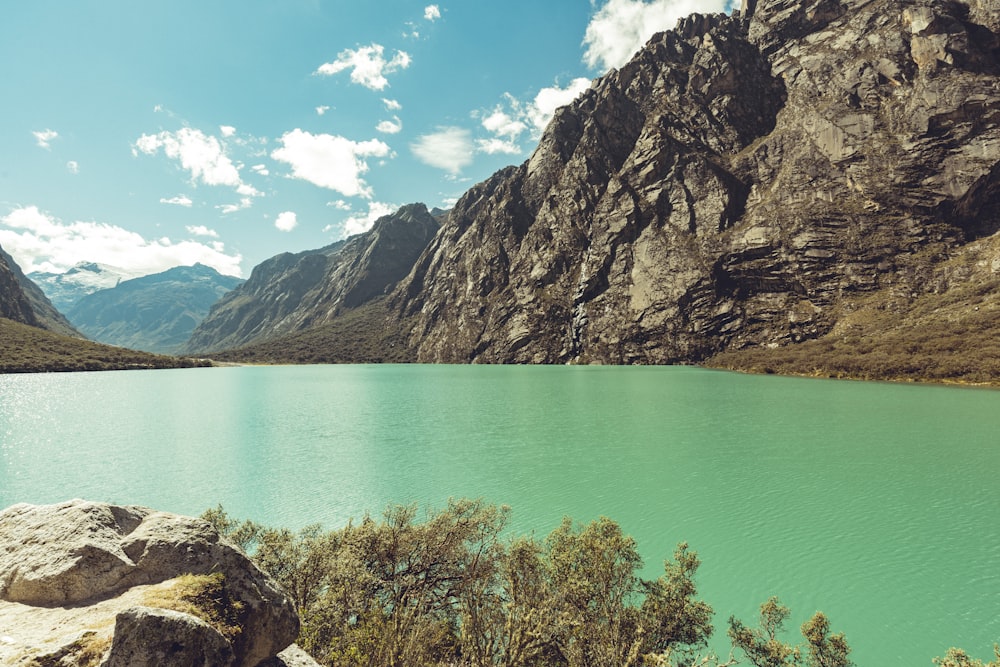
879 504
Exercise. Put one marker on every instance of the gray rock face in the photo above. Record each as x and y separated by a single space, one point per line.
292 292
147 637
79 553
733 185
23 301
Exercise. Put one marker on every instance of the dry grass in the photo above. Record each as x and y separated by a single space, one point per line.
203 596
26 349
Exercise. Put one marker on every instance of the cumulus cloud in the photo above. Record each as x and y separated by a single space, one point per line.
340 205
362 222
41 242
390 126
509 121
320 110
391 105
432 13
368 65
200 154
260 169
544 106
73 167
286 221
495 146
179 200
45 137
202 230
450 148
329 161
622 27
227 130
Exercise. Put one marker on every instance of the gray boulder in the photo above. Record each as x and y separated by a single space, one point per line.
78 554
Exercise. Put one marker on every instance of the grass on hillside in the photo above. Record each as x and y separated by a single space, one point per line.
27 349
358 336
948 333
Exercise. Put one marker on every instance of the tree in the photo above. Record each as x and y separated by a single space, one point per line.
825 650
761 645
956 657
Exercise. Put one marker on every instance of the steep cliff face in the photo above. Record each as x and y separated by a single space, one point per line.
732 186
21 300
292 292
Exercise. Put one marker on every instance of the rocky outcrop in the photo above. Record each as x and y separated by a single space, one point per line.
732 186
293 292
83 581
21 300
156 313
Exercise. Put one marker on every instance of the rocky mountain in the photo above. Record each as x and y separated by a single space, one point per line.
65 289
741 183
22 301
87 583
155 313
293 292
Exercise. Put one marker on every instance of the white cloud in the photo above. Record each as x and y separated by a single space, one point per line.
504 124
368 65
286 221
390 126
45 137
260 169
199 153
202 230
41 242
179 200
320 110
495 146
450 148
203 156
544 106
73 167
432 12
330 161
509 121
391 105
362 222
622 27
227 130
340 205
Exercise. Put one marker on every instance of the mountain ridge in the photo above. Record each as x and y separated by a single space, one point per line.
154 313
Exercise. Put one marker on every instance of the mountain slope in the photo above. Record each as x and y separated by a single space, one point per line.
29 349
293 292
21 300
733 186
155 313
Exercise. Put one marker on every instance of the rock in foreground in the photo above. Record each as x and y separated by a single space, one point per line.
85 583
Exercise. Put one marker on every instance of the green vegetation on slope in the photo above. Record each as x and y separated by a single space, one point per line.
454 590
357 336
27 349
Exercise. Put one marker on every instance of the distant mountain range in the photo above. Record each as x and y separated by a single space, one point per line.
65 289
155 313
22 301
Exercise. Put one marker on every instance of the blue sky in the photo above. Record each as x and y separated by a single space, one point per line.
146 135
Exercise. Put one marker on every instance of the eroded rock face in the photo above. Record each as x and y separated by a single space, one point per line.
81 553
731 186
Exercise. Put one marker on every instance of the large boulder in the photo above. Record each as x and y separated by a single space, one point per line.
58 559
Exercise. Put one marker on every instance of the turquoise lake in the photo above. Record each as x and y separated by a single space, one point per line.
876 503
